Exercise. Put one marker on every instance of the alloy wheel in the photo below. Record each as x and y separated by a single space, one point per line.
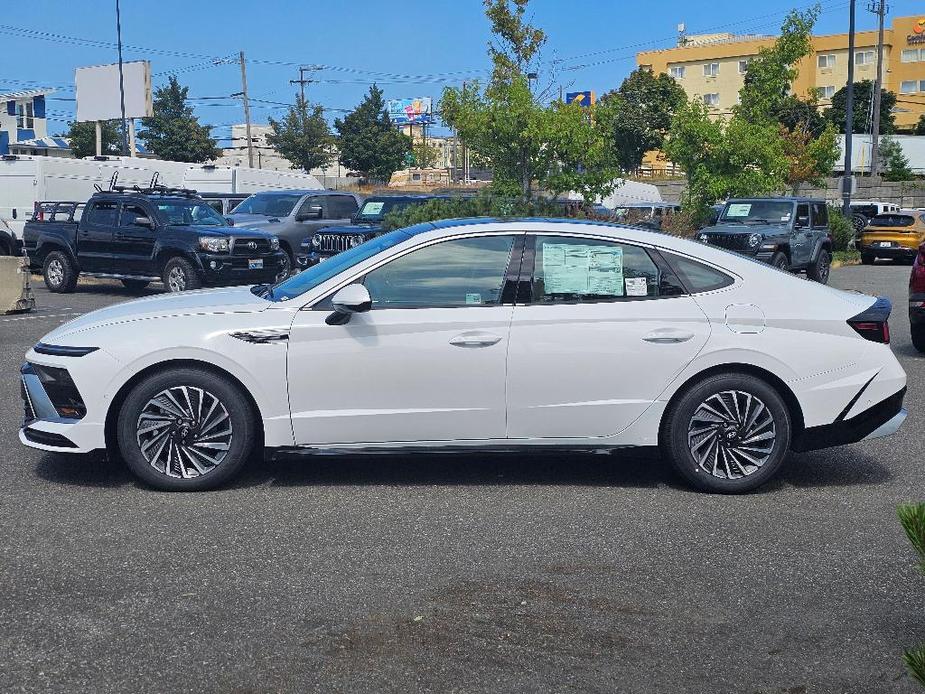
176 279
184 431
55 272
731 434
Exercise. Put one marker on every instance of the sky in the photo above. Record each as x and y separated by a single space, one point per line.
411 48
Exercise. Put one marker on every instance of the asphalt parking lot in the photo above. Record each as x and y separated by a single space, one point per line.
439 574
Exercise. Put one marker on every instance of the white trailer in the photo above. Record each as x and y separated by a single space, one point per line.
209 178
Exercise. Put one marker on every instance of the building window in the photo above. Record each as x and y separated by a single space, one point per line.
826 92
24 115
827 61
677 72
908 87
711 99
711 70
864 58
743 66
912 55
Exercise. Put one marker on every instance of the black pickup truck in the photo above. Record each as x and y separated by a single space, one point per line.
144 235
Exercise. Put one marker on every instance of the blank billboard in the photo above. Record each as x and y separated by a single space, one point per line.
98 91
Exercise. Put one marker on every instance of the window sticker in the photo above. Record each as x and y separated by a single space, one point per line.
785 218
578 269
373 207
739 209
636 286
473 298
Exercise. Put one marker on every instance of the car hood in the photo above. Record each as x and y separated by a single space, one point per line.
203 302
257 221
351 229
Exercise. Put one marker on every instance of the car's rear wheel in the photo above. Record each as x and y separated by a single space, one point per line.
779 260
185 429
727 434
819 270
180 275
59 273
918 337
135 285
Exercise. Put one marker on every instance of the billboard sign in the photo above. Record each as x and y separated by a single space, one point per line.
411 111
98 91
581 98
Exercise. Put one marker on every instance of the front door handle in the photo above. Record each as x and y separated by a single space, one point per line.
668 336
475 340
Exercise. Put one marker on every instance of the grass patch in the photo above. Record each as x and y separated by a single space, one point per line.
915 662
840 258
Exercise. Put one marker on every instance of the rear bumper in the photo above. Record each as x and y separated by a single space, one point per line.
894 252
881 419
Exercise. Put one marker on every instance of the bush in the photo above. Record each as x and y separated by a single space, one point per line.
912 518
841 228
683 224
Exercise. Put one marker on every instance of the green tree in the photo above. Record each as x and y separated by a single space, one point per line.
174 133
303 136
863 93
920 126
895 163
637 116
82 137
912 519
425 155
809 159
369 142
556 146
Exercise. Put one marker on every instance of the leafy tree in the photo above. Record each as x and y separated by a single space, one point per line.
895 163
557 146
425 155
920 127
637 116
173 132
82 137
303 136
809 159
369 142
863 93
794 112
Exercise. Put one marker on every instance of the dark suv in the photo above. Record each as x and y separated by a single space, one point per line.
789 233
365 225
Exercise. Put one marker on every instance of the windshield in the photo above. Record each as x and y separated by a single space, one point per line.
189 213
269 204
758 212
322 272
376 210
892 220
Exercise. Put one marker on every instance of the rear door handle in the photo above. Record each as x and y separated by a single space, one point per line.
668 336
475 340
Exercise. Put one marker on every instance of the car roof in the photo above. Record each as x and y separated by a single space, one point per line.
784 198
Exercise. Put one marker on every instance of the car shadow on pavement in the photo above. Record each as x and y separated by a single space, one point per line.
834 467
89 470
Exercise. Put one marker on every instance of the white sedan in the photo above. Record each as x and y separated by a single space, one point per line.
473 334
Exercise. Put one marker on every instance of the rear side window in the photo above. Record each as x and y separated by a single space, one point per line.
820 215
102 213
571 270
698 277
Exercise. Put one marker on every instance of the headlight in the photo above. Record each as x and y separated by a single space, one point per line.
213 244
754 240
274 244
316 241
356 241
703 238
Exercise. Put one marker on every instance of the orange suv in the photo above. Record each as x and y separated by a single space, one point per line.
895 235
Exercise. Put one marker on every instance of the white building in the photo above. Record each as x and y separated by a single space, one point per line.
24 126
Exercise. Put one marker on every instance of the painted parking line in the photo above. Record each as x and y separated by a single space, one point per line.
39 316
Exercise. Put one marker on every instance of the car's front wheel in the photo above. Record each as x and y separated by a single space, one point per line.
185 429
59 273
779 260
180 275
918 337
727 434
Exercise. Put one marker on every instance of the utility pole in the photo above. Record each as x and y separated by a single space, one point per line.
302 81
247 113
465 154
879 7
121 81
847 179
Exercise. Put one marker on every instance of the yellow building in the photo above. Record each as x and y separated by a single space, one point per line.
712 67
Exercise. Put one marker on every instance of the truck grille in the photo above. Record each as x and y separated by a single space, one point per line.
732 242
337 243
250 247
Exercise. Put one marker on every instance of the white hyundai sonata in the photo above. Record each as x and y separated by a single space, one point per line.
467 335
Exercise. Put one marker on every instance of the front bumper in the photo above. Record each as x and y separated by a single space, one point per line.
235 269
881 419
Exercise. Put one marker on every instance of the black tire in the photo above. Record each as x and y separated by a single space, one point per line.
59 273
5 248
780 261
151 463
180 275
818 271
288 264
918 337
684 446
858 222
135 285
867 259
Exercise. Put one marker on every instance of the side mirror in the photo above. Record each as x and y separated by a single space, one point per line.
229 221
144 222
354 298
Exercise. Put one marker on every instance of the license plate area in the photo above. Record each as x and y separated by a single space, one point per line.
255 264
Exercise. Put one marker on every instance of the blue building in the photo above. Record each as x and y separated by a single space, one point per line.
24 126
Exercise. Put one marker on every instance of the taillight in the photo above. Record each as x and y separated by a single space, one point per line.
873 323
917 277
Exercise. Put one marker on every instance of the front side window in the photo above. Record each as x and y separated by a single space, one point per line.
571 270
803 215
130 213
461 272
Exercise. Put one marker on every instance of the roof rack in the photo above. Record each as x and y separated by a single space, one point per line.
154 190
